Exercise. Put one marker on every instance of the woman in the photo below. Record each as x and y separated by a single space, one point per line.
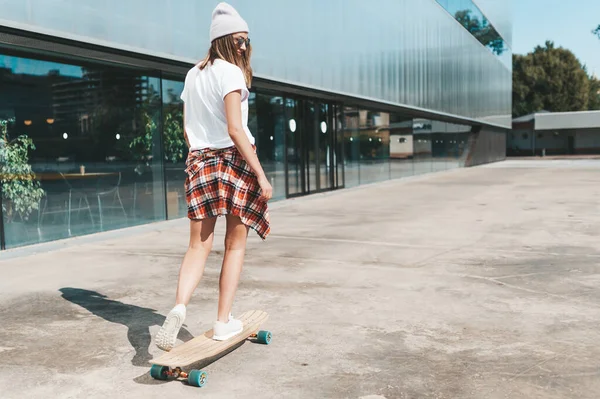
224 176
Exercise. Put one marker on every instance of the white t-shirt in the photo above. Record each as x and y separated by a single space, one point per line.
203 96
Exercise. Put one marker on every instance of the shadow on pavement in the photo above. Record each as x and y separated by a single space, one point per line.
138 320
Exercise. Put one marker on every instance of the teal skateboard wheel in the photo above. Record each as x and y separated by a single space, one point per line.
159 372
264 337
197 378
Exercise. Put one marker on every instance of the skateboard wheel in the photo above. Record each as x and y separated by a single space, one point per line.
159 372
197 378
264 337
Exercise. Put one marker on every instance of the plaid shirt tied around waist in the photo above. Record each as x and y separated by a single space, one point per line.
220 182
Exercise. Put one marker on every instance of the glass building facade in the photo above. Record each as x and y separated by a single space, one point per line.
343 95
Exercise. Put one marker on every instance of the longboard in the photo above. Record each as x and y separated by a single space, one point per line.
203 347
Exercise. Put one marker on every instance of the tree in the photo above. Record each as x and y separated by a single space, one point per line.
21 191
597 31
552 79
174 141
594 102
174 146
482 30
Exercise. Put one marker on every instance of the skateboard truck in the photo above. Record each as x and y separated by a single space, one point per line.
195 378
176 373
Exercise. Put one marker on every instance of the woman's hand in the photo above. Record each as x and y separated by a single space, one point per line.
265 188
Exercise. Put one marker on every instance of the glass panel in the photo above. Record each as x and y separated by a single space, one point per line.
422 146
339 147
473 20
401 146
439 146
295 161
374 146
176 148
97 156
309 132
269 129
460 138
324 160
351 146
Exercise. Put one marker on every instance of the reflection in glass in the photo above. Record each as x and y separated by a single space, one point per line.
175 148
439 146
472 19
422 146
313 146
458 149
269 132
311 127
97 156
294 150
351 146
374 139
339 146
401 146
325 134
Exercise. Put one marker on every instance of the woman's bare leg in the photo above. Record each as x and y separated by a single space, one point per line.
190 273
233 260
192 266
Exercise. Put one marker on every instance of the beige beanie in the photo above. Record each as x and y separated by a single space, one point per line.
225 21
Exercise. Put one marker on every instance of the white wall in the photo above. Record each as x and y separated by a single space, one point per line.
398 149
422 145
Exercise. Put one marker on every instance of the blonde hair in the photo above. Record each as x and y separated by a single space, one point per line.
226 48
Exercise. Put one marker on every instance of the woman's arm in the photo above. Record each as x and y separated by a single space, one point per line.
184 132
233 113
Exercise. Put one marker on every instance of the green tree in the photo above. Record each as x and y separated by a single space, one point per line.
597 31
174 141
176 148
21 191
594 101
482 30
549 78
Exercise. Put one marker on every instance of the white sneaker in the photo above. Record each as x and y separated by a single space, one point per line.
167 335
223 331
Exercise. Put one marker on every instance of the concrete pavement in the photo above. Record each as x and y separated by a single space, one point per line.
474 283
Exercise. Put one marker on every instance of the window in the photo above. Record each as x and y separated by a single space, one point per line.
266 121
350 123
374 145
175 148
473 20
97 156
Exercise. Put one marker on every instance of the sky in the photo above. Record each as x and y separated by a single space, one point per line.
568 23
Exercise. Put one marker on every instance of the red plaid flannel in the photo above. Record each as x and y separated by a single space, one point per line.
220 182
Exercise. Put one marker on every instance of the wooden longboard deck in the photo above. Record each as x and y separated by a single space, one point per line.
204 347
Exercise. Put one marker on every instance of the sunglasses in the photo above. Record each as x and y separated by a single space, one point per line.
240 40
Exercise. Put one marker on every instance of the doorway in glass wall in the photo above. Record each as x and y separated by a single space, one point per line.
313 147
